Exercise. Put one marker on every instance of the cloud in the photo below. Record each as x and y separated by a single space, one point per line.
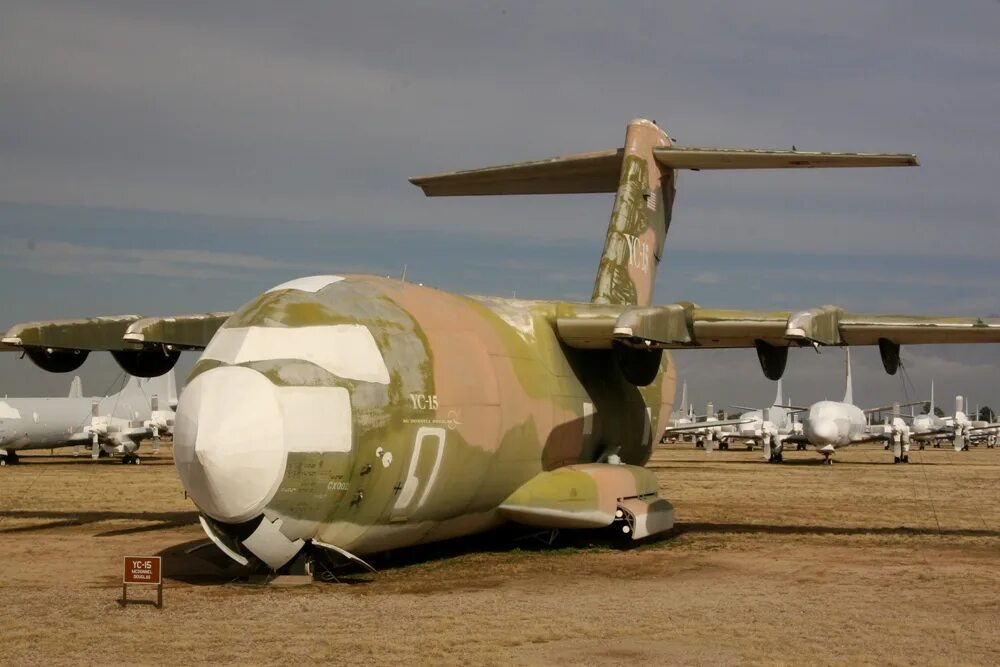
73 259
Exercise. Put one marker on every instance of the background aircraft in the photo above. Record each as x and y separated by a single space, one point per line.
337 414
830 425
114 424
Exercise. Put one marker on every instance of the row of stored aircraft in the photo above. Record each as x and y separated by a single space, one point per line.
108 425
827 426
334 416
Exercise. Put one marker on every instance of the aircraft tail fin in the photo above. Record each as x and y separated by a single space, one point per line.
849 392
778 400
76 388
164 387
684 400
643 175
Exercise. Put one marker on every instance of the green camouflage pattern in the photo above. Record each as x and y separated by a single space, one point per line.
486 375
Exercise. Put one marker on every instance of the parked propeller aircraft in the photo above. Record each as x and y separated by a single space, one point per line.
707 429
338 414
831 425
115 424
766 427
958 427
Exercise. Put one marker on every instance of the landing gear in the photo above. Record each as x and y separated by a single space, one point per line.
130 459
699 444
10 458
800 447
775 457
827 461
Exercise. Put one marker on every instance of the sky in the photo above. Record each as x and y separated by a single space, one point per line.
166 158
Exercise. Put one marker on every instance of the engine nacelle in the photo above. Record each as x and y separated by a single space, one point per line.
56 360
638 366
146 363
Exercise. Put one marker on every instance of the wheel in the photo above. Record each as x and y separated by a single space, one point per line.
3 460
906 459
895 459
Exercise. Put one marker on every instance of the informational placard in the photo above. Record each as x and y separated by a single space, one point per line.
143 570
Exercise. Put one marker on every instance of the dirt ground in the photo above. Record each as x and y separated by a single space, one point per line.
859 562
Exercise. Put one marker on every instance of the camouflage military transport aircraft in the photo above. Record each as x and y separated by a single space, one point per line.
354 414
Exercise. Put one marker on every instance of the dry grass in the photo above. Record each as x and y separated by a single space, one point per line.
861 562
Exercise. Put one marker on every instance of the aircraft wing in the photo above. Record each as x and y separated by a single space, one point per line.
143 346
118 332
893 406
697 426
686 325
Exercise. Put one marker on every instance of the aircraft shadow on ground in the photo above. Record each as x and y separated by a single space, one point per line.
208 566
69 460
781 529
158 520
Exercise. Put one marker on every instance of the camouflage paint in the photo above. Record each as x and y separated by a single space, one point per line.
487 375
639 221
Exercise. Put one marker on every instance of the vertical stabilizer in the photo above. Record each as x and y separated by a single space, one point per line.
931 411
639 221
684 400
849 393
777 396
76 388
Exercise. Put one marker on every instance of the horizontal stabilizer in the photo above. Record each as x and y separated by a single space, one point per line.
752 158
580 173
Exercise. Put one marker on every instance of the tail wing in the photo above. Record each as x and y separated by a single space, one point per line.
642 174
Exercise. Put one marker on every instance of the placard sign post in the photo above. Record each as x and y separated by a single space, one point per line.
145 571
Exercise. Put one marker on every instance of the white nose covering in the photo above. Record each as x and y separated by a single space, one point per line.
229 444
823 430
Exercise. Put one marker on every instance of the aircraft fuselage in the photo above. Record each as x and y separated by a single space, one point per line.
369 413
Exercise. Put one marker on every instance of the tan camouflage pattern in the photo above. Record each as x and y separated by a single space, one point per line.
486 409
578 496
488 373
639 221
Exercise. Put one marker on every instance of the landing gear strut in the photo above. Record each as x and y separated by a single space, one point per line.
11 458
130 459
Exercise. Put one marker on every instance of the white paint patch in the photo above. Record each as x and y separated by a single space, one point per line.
308 284
346 350
316 419
588 418
647 426
7 411
387 459
229 442
413 482
270 545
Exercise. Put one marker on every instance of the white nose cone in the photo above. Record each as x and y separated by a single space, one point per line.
823 431
228 442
